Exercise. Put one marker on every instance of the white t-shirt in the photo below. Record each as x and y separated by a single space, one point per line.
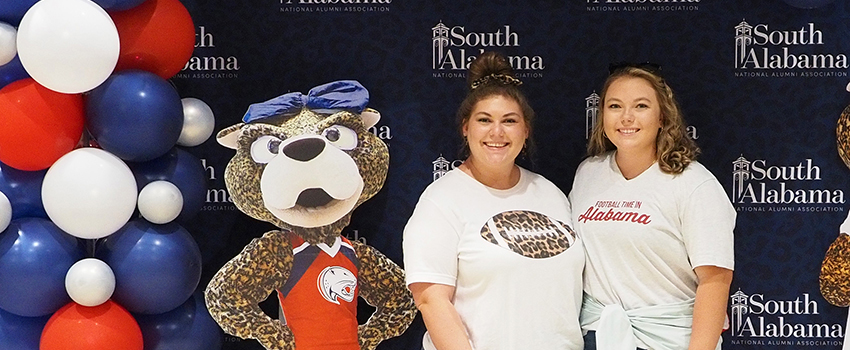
509 294
645 236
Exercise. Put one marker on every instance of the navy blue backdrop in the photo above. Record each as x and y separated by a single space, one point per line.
761 82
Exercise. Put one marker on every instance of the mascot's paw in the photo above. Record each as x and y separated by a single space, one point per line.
276 336
835 272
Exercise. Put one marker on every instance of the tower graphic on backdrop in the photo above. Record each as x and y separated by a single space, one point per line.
591 111
441 167
740 308
440 39
740 173
743 38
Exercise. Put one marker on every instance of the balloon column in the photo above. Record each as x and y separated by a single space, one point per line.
94 183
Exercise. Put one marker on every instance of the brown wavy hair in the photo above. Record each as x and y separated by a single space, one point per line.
674 150
480 74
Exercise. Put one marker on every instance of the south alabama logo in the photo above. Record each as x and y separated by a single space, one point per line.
336 283
454 48
760 47
758 182
758 320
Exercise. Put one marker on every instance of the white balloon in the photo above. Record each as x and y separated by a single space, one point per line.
89 193
69 46
8 48
160 202
5 212
198 122
90 282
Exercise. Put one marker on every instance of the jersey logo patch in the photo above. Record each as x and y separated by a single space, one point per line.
336 282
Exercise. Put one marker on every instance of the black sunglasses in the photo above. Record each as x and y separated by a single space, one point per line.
653 68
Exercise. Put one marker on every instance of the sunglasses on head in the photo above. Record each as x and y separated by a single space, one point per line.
653 68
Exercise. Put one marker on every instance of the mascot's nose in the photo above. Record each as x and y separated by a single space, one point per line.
304 149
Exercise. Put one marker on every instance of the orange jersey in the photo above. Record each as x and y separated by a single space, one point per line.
319 300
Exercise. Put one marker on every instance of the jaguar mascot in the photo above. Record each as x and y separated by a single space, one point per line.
304 163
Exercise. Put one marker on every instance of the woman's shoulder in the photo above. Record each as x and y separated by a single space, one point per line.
603 158
446 184
697 172
594 162
540 182
694 176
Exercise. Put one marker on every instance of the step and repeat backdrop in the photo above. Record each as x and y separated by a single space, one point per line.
762 84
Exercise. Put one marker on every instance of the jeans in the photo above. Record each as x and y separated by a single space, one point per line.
590 341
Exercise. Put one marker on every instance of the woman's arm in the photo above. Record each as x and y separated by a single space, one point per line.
441 318
710 306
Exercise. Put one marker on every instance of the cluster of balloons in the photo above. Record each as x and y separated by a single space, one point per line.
93 185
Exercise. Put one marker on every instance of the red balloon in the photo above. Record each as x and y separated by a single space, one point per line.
37 125
157 36
107 326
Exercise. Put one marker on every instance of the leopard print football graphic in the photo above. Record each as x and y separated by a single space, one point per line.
530 234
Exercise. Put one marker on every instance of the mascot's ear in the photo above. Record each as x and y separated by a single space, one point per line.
228 136
370 118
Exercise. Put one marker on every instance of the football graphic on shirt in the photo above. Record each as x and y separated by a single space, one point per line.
530 234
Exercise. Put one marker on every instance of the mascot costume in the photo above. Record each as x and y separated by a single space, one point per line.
304 163
835 270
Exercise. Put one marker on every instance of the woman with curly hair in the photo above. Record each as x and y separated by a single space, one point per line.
656 224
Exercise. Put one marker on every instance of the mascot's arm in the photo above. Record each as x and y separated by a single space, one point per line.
835 272
234 293
382 286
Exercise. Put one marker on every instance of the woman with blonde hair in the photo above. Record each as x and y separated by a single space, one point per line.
656 224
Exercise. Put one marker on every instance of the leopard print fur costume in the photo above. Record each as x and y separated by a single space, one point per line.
304 172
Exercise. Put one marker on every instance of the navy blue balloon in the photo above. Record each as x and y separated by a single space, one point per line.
188 327
12 11
156 267
118 5
135 115
20 333
182 169
35 255
23 188
12 72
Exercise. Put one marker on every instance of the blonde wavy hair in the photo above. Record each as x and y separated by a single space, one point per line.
674 149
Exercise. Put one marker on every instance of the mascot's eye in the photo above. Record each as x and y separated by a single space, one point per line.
332 135
342 137
265 148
